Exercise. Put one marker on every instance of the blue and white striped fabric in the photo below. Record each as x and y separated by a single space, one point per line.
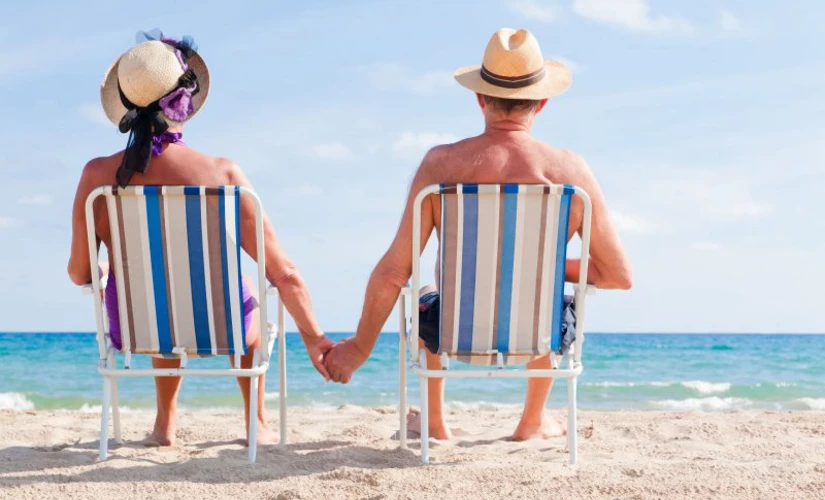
177 265
503 254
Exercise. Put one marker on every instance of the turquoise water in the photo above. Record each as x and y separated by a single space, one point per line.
646 372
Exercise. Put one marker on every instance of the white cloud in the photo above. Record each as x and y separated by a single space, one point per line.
633 15
393 77
36 199
308 190
573 66
93 112
413 145
331 151
630 224
706 247
6 222
537 11
729 22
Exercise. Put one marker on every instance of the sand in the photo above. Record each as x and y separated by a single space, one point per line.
347 453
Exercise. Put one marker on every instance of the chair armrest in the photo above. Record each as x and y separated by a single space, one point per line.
86 289
589 290
271 290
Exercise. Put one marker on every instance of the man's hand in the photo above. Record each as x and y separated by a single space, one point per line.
342 361
317 349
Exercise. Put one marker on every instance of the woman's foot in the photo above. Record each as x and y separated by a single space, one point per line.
163 434
438 430
545 429
265 435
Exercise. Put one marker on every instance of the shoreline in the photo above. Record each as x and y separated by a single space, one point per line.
348 453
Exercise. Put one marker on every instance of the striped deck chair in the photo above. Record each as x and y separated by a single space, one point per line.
502 269
176 259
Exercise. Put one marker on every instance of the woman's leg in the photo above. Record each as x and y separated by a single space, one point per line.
167 389
253 343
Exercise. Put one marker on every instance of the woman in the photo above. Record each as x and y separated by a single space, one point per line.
150 92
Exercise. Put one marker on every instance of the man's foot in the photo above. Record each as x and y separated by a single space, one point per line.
546 429
437 431
265 435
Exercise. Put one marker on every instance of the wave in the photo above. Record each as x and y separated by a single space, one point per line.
700 386
15 401
713 403
812 403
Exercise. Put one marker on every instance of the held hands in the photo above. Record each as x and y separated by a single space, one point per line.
343 359
317 349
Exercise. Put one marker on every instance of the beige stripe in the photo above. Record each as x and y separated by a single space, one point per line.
232 265
149 289
206 270
177 250
127 329
449 232
216 270
486 263
497 280
517 272
170 303
548 276
455 307
134 268
540 271
528 261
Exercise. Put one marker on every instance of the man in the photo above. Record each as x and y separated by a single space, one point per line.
512 87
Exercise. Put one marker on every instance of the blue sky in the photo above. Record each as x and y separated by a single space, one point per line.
703 120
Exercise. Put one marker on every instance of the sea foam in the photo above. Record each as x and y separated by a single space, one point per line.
15 401
713 403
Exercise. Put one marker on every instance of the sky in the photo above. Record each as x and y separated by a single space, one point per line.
702 120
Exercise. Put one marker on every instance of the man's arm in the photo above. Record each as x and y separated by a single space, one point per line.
609 267
386 281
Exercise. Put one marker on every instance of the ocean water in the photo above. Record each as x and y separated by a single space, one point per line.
621 371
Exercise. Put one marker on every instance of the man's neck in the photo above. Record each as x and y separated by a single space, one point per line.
507 125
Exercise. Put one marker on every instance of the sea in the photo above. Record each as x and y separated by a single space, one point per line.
670 372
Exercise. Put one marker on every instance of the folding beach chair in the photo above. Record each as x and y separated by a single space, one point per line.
176 258
502 268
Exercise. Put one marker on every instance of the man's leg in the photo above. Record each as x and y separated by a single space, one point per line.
253 342
534 423
167 389
435 395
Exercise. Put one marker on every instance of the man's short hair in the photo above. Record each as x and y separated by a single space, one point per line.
510 105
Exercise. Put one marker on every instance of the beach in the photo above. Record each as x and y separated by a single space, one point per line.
348 453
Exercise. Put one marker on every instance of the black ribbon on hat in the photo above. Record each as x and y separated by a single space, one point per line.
142 124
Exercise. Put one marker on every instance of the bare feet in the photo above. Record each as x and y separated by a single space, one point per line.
265 435
438 430
164 432
546 429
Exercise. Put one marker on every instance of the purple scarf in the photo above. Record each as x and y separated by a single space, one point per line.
165 138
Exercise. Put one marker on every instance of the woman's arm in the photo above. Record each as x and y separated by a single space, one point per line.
79 268
280 270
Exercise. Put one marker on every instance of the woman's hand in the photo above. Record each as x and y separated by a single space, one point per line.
317 349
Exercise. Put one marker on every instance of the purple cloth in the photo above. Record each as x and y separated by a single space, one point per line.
177 105
110 300
165 138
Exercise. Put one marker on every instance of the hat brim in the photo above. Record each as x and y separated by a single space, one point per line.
556 81
114 108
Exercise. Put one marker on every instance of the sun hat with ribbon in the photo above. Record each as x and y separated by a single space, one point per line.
513 68
157 84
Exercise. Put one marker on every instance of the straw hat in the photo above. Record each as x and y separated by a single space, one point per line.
147 72
513 68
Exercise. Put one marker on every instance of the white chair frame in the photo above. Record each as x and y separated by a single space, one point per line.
107 364
419 359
